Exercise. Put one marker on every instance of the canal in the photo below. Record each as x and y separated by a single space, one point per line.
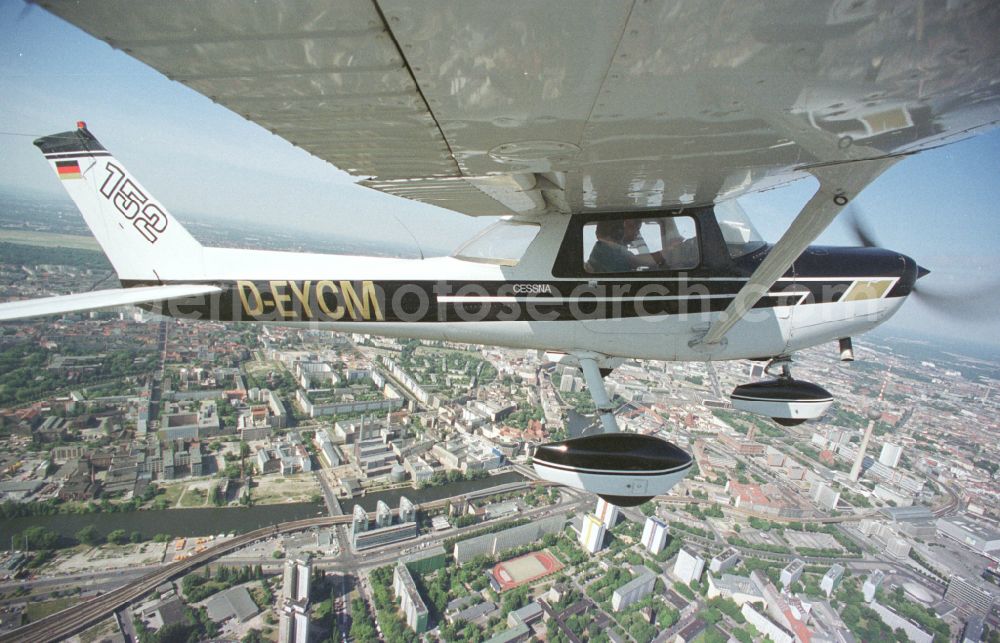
226 520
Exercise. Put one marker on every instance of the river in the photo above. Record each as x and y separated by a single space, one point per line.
207 522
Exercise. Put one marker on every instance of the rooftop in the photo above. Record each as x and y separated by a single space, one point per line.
907 514
235 601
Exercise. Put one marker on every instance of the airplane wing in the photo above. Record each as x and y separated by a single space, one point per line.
100 299
577 106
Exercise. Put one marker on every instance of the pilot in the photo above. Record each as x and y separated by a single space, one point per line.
611 252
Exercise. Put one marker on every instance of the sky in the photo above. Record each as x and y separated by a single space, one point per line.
198 158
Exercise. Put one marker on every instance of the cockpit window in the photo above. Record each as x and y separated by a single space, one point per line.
638 244
503 243
740 235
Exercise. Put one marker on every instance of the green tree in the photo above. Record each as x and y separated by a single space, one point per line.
88 535
118 537
38 538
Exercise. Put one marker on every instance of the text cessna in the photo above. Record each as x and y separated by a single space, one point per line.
322 300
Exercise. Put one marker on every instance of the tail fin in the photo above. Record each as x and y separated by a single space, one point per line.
141 239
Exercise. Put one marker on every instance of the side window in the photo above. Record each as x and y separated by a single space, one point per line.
639 244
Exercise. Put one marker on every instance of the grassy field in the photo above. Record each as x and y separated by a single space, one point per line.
194 497
172 494
277 489
49 239
37 611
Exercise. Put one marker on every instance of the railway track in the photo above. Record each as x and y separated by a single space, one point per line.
81 616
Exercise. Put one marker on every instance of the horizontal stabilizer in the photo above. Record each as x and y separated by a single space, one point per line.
100 299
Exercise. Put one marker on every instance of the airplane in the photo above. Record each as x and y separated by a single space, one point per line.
612 138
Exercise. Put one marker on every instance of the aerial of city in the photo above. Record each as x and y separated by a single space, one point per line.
174 480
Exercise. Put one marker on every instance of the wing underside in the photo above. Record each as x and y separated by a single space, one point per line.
585 105
98 299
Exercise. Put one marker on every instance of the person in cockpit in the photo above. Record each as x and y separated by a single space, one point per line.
611 252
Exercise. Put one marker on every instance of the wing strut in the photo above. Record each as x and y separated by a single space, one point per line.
838 184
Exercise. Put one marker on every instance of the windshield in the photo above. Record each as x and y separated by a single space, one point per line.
740 235
503 243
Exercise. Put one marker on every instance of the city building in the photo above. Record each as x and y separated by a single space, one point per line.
634 590
409 598
892 494
293 619
607 513
654 535
295 582
740 589
897 547
831 579
204 423
724 561
824 495
527 615
383 515
968 597
420 472
385 535
407 511
785 610
233 603
327 451
891 453
286 457
974 535
359 522
792 572
896 621
688 566
495 543
872 583
592 533
766 626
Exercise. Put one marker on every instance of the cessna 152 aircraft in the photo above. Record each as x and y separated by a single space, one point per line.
612 137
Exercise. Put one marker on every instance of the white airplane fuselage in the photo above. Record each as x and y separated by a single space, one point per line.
451 298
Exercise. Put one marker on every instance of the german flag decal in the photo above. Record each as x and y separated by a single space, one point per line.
68 170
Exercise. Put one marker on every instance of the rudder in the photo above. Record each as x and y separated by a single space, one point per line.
140 237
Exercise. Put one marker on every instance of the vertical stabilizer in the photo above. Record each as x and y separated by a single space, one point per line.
141 239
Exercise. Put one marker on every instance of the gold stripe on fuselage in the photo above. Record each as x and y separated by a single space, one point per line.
863 289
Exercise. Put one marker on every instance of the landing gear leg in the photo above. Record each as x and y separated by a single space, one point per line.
595 384
785 363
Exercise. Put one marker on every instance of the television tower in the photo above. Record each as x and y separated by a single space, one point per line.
874 412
